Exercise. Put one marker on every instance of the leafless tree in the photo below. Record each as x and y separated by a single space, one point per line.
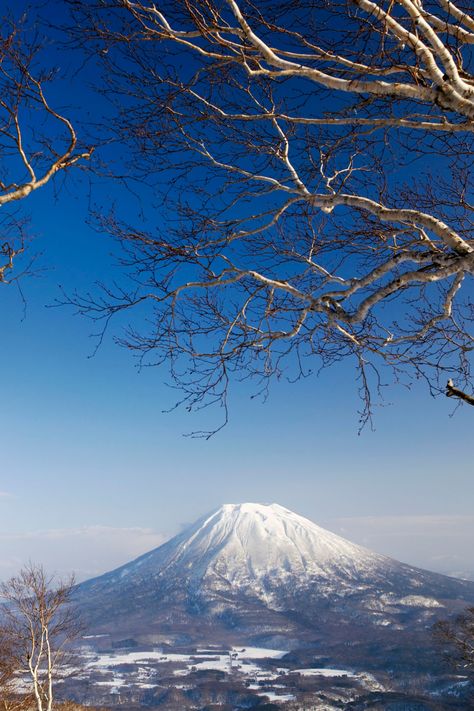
36 141
37 625
456 637
10 700
309 169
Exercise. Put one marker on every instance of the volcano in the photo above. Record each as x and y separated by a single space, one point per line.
260 572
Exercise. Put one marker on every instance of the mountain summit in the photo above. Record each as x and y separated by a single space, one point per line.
257 546
257 566
245 543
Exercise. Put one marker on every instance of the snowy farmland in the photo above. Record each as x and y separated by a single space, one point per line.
261 671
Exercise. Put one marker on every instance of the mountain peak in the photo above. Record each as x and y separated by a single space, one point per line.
249 507
258 548
251 541
263 559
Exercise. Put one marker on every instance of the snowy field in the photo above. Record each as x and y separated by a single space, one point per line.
144 669
244 661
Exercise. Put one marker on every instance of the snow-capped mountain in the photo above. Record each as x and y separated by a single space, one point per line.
255 547
258 566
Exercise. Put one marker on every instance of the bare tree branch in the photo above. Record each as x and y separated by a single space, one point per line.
37 624
457 639
451 391
314 167
36 142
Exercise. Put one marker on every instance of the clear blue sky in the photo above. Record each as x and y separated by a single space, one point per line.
85 442
92 472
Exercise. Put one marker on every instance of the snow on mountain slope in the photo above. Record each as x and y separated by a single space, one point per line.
262 569
248 543
260 548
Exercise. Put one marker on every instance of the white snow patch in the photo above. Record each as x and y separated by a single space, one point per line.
258 653
324 672
277 698
244 660
419 601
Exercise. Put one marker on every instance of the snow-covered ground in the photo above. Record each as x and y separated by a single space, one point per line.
241 660
262 671
324 672
247 663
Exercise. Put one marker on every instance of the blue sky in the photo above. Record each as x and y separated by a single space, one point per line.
94 473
